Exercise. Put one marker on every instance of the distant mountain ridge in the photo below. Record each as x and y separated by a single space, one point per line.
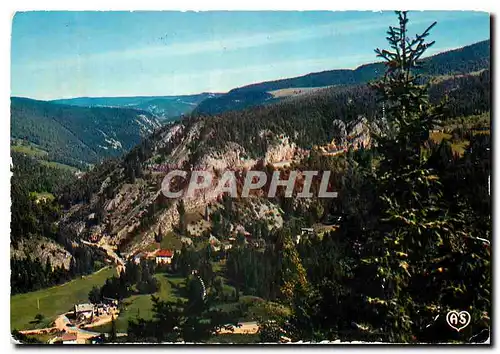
163 107
474 57
85 130
76 135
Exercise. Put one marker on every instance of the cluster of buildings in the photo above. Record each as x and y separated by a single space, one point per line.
217 245
161 256
86 311
68 338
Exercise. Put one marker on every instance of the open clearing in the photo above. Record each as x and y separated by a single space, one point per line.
295 91
141 305
59 165
53 301
29 150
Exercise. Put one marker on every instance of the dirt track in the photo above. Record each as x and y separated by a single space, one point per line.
120 264
244 328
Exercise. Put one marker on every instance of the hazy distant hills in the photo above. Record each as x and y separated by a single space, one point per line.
235 140
119 199
468 59
75 135
163 107
85 130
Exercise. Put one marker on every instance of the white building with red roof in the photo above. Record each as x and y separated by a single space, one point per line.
164 256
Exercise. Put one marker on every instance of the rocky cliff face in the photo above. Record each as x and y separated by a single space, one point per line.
282 150
43 249
359 133
233 156
134 212
355 134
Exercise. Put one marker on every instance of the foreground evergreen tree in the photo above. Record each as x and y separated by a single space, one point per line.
422 247
112 333
416 254
292 273
192 321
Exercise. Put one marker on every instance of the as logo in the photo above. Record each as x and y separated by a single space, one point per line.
458 320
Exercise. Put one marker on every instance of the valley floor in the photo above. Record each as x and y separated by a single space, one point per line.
52 302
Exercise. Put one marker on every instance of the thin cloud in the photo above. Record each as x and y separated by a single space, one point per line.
174 68
231 43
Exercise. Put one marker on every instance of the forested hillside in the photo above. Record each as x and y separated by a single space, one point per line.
309 118
163 107
78 136
41 256
468 59
406 240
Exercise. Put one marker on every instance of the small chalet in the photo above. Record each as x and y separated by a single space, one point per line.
164 256
307 231
69 338
138 257
84 310
110 301
227 245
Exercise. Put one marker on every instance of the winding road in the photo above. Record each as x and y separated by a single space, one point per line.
120 263
242 328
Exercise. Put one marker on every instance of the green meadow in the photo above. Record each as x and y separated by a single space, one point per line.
53 301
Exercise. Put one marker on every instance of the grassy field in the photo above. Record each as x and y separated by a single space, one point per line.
43 196
53 301
172 288
41 155
29 150
140 305
59 165
295 91
459 146
439 136
478 124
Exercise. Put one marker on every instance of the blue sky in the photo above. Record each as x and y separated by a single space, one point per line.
73 54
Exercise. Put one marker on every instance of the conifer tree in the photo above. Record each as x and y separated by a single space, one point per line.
112 334
404 291
293 275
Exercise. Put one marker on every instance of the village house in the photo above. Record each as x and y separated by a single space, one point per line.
69 338
83 310
110 301
138 257
164 256
104 309
101 310
305 232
